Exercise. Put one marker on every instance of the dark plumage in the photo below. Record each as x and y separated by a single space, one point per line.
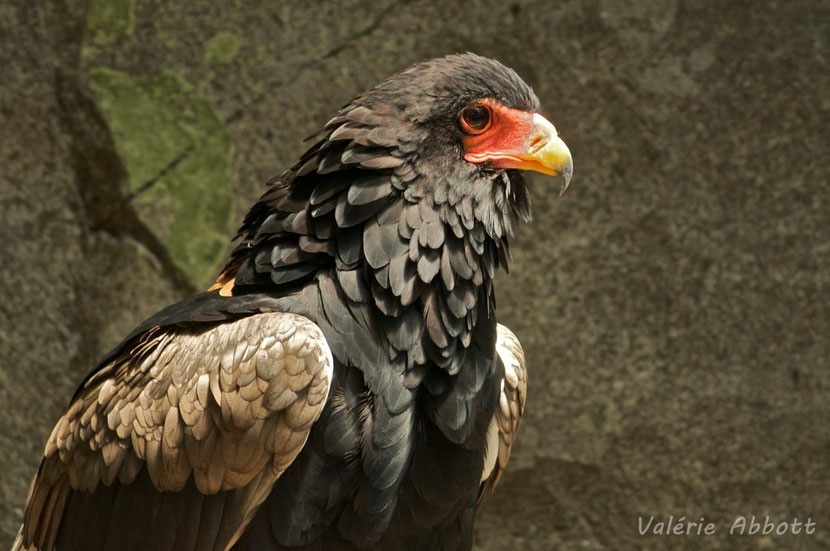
387 238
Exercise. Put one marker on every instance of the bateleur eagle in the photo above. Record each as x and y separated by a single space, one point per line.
344 384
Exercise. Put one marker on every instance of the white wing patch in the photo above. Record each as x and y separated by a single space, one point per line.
505 423
231 406
220 404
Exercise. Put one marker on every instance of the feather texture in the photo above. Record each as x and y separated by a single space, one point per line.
504 426
224 419
152 408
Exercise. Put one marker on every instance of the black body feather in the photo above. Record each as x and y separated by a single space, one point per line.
413 286
388 241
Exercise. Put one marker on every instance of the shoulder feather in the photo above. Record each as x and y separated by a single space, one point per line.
504 425
228 406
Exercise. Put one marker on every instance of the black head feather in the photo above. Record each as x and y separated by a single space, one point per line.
384 209
388 239
414 114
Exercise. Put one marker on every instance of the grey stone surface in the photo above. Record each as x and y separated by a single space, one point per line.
673 304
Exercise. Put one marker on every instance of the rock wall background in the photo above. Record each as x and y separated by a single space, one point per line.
673 305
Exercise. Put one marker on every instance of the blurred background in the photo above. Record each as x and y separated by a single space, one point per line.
673 305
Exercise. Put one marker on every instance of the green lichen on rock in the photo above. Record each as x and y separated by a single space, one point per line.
221 48
178 157
107 20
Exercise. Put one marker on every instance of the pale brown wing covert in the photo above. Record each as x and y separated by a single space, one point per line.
230 406
504 425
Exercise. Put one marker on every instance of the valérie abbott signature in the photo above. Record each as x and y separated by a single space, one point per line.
741 525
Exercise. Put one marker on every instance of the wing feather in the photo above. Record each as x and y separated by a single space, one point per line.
504 425
225 409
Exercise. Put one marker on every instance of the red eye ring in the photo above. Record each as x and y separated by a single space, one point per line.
475 119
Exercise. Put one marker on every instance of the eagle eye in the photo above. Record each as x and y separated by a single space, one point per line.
475 119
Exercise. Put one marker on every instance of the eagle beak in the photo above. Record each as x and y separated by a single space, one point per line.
520 140
546 153
523 141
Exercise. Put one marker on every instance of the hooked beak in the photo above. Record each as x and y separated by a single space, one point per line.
536 147
547 153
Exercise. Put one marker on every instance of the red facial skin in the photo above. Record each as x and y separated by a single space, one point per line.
508 135
516 139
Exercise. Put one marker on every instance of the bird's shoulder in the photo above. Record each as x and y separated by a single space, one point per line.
504 425
207 407
175 392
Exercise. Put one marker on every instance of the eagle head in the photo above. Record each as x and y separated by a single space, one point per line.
402 209
463 127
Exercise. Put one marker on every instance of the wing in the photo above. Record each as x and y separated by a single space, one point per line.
176 442
505 423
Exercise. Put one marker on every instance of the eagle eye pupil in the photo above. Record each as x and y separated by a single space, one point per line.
475 118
